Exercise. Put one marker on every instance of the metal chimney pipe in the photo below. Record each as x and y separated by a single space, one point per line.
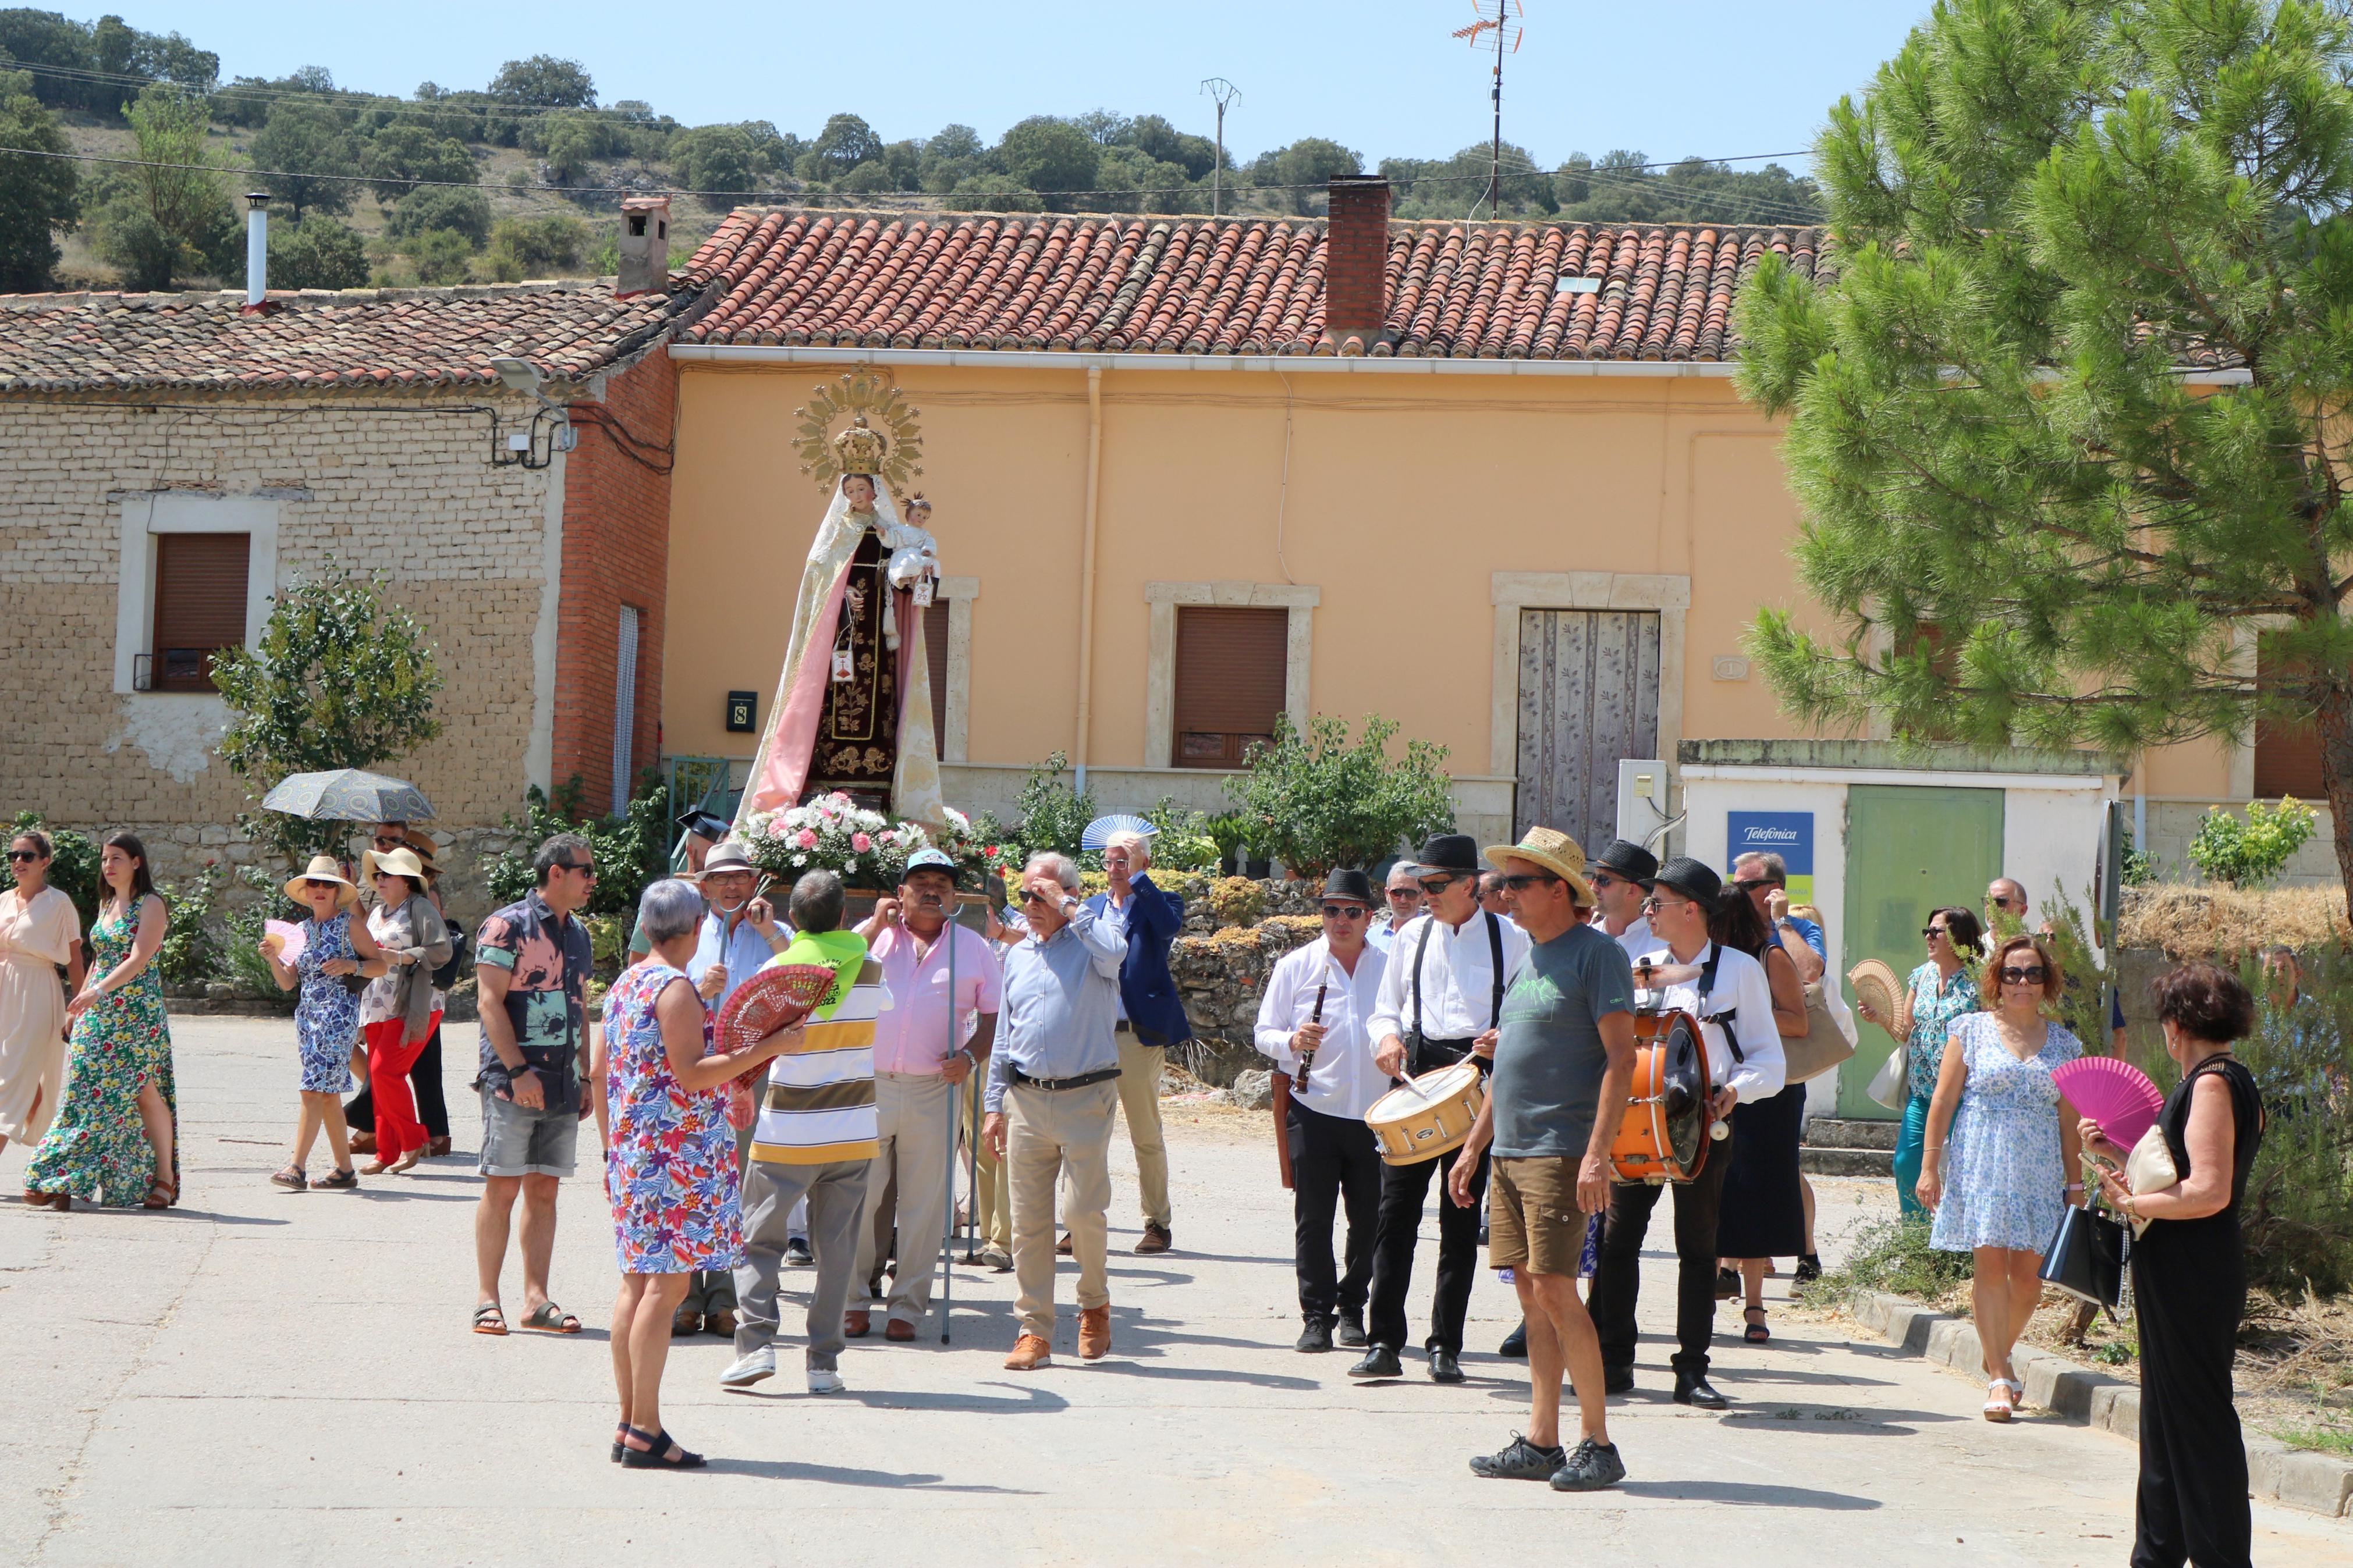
256 247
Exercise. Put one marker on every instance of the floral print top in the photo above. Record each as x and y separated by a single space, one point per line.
1935 1002
670 1170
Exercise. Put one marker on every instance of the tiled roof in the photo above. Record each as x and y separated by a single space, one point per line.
357 338
1247 286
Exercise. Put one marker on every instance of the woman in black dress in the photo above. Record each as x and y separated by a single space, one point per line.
2190 1279
1763 1211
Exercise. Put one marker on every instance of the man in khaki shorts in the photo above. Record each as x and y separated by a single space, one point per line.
1564 1063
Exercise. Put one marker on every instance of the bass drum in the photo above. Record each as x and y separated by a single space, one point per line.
1665 1134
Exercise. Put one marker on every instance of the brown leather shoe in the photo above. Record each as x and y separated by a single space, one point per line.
1156 1239
363 1142
436 1148
899 1330
855 1325
1030 1352
1094 1334
1063 1247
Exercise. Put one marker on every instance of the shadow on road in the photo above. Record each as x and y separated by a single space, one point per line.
1745 1494
840 1475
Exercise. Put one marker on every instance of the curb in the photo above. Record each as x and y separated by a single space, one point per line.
2317 1483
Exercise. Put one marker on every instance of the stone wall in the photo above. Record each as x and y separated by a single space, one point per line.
2173 823
1222 973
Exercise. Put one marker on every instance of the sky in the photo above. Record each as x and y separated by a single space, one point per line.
1673 78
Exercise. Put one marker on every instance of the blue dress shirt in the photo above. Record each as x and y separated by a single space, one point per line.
1061 998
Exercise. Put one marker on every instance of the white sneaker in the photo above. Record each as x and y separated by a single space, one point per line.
758 1367
825 1380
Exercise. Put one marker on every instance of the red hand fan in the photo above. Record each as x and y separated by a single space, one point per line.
2116 1094
774 998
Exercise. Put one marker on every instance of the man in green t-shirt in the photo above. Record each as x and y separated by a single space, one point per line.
1564 1063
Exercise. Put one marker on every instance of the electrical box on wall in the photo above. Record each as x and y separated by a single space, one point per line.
743 712
1642 809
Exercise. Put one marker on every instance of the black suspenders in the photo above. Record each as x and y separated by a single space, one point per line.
1494 963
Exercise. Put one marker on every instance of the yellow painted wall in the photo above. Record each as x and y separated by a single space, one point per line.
1404 493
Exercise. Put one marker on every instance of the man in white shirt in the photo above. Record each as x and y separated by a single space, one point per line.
1442 999
1734 1006
1621 876
1316 1005
1404 894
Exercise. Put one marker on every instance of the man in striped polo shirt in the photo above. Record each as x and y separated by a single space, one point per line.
815 1137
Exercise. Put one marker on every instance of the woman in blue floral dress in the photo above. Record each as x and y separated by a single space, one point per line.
327 1019
2012 1155
115 1138
670 1157
1943 990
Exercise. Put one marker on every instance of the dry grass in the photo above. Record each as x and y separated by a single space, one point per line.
2201 921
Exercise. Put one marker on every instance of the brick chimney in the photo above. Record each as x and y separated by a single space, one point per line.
1356 259
645 246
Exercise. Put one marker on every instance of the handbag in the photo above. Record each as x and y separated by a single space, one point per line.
1823 1046
1887 1086
2149 1168
450 973
2087 1258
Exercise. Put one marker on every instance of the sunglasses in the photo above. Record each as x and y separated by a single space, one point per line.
584 868
2014 976
1604 879
1432 887
1032 896
1754 883
24 856
389 841
1934 930
1408 894
1342 911
314 884
1519 882
1652 905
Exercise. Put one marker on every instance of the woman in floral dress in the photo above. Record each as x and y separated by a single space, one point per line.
114 1140
327 1019
670 1158
1943 990
2013 1152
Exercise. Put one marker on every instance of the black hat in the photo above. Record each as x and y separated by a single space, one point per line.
703 823
1693 879
1455 852
1345 883
1630 861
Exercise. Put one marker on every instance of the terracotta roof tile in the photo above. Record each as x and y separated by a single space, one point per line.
422 337
1247 286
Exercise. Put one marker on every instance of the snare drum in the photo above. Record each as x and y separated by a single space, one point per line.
1664 1135
1427 1117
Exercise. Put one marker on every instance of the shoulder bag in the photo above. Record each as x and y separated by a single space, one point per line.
1823 1046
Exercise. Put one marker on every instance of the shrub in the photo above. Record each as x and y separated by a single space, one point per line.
1319 802
1894 1256
191 953
1053 815
2297 1216
534 247
2248 853
1183 842
631 849
317 253
466 211
439 255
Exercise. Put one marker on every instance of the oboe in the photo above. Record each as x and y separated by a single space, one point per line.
1307 1057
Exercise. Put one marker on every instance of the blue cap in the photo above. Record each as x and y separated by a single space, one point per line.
934 859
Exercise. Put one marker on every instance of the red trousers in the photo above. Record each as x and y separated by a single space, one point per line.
398 1129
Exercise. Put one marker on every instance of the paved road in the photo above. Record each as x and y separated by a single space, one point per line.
266 1377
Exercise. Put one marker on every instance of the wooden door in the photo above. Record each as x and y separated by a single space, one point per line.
1589 699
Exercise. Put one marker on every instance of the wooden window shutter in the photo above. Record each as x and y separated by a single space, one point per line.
935 657
1230 681
199 605
2287 760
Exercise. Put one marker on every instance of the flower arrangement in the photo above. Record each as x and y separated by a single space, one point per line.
867 848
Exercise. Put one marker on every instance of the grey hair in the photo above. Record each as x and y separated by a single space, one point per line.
1137 845
668 909
816 903
1065 871
1775 869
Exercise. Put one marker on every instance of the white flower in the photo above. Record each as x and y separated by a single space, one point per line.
800 860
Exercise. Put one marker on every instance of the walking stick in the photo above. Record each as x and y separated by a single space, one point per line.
947 1232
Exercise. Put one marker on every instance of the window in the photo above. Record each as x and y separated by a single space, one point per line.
935 657
625 705
2287 757
200 587
1230 681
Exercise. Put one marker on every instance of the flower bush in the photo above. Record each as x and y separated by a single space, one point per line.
865 848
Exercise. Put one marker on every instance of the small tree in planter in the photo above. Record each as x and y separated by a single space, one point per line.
342 680
1316 802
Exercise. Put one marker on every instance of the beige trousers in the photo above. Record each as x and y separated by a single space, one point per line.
1139 1102
1050 1133
992 1213
912 1109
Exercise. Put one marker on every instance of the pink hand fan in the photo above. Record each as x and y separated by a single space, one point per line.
2116 1094
774 998
290 938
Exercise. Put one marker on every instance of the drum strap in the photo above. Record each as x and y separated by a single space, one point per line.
1495 987
1707 994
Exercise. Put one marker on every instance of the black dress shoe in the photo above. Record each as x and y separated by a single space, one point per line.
1379 1362
1614 1381
1515 1344
1352 1329
1444 1368
1698 1393
1315 1336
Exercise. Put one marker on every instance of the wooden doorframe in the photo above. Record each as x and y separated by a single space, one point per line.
1668 594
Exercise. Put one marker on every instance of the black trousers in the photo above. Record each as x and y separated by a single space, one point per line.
1403 1189
1334 1160
1618 1277
425 1077
2190 1290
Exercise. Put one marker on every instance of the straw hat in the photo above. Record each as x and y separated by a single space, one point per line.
729 856
323 869
1555 851
399 862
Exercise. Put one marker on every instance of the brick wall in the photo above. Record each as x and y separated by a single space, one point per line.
615 553
1355 254
377 480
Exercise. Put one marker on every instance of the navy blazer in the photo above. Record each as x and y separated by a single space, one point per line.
1146 986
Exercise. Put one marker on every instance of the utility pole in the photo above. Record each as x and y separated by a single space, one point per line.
1224 92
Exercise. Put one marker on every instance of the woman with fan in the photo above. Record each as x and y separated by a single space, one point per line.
2013 1152
670 1158
2190 1275
1943 989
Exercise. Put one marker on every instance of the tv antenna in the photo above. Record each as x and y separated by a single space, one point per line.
1501 24
1224 92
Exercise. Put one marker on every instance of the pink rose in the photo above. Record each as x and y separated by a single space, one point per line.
806 839
776 829
859 842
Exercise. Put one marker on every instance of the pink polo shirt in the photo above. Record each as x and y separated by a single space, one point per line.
912 1036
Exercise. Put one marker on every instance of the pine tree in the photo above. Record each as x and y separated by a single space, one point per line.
2069 428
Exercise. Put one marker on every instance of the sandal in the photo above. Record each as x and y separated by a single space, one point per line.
47 1200
489 1318
548 1318
661 1452
160 1195
619 1446
374 1168
2017 1392
1756 1334
345 1180
408 1161
1997 1406
291 1179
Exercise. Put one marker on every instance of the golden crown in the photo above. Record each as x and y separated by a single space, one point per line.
881 440
860 450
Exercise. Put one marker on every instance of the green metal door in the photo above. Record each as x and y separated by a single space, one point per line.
1909 849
